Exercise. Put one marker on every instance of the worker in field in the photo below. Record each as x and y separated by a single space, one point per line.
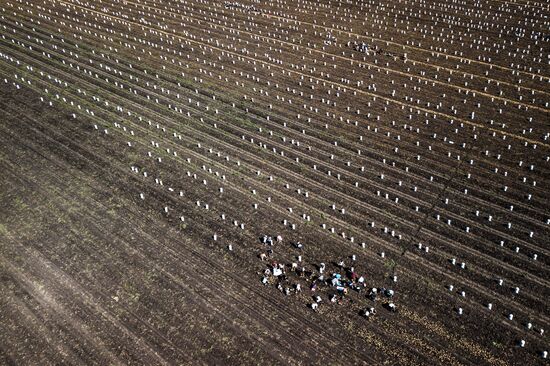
373 294
367 313
313 286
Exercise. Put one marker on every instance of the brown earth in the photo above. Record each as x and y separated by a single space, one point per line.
93 274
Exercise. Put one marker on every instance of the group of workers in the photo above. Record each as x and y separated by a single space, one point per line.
339 282
238 5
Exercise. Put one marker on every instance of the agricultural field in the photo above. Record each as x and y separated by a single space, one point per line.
274 182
